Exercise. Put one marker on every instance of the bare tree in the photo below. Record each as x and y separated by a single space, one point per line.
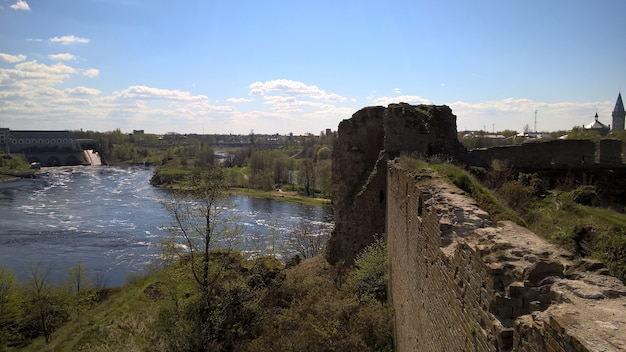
203 223
48 304
308 240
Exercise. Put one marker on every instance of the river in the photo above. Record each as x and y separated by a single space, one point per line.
111 219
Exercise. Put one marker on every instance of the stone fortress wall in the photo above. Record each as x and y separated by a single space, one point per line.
459 282
551 154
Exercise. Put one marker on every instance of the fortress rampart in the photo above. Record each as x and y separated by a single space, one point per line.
460 283
556 154
457 281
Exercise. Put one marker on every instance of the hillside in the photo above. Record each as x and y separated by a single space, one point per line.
258 306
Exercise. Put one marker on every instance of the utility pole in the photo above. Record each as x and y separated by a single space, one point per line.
535 121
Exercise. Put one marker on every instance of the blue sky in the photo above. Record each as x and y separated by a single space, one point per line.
297 66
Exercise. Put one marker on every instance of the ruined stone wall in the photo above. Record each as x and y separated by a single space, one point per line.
422 130
539 155
365 143
610 152
460 283
359 212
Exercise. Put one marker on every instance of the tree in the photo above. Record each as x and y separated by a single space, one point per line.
10 308
306 175
80 287
203 223
323 176
47 303
308 240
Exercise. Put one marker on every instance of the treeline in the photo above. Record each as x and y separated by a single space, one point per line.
304 168
118 148
40 306
301 164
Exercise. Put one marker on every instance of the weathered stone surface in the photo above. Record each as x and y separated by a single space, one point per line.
365 143
482 287
458 282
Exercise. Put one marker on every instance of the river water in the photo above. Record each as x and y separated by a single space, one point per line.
110 219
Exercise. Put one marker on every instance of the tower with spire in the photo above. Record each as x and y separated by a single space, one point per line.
618 114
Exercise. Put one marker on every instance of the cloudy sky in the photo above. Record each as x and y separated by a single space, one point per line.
232 66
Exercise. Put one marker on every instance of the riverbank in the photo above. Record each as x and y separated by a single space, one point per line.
279 195
8 177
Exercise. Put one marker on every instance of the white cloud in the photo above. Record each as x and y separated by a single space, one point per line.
12 58
69 39
150 93
397 90
20 5
62 57
240 100
91 73
294 88
34 67
514 113
409 99
82 91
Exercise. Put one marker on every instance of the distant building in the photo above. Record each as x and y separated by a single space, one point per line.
618 114
599 126
34 141
49 148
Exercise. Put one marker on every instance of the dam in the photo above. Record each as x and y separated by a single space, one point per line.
49 148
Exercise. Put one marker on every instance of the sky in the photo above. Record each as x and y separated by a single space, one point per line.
299 67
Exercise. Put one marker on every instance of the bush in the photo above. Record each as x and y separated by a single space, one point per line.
517 196
371 275
585 195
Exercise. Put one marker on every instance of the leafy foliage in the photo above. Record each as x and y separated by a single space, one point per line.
370 277
11 309
485 198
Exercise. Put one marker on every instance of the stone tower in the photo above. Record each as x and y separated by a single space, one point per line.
365 143
618 114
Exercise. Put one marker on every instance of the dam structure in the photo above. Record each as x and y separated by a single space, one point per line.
458 281
49 148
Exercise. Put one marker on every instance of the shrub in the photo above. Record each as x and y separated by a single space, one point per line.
585 195
499 173
517 196
371 275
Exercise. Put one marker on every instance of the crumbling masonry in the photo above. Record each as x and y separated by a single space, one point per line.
457 281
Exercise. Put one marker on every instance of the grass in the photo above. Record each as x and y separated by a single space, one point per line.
282 196
174 178
559 219
14 166
485 198
553 215
302 308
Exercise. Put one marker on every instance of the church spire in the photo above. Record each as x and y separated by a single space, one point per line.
618 114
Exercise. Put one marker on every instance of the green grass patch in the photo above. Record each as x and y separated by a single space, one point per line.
585 230
258 306
485 198
289 196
